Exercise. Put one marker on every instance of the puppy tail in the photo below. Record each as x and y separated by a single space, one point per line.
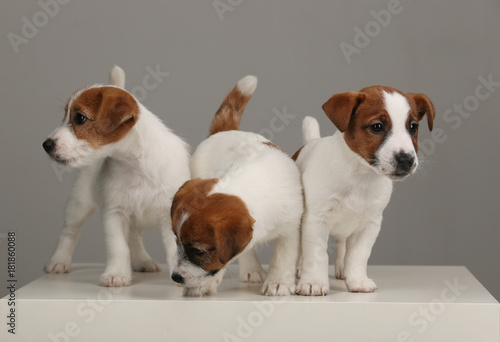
117 77
310 129
228 115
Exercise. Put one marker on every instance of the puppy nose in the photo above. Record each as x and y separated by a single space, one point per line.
404 161
177 278
48 145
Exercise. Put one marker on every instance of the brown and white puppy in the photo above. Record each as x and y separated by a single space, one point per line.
347 179
131 165
246 191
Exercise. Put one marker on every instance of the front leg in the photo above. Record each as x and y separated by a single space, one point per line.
79 206
314 279
359 247
118 271
169 241
251 270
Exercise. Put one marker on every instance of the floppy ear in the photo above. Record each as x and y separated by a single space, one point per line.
117 107
233 227
340 107
424 106
231 240
179 195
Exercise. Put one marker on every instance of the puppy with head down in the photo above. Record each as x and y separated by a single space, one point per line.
245 191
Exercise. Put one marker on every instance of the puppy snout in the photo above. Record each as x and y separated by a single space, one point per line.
404 161
177 278
48 145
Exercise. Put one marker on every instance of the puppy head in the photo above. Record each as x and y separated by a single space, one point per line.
211 229
95 118
381 125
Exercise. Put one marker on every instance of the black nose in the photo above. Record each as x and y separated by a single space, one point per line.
404 161
48 145
177 278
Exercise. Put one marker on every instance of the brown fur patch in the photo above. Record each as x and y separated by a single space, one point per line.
111 112
296 154
270 144
218 225
228 115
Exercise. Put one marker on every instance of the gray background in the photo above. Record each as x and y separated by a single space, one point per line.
447 214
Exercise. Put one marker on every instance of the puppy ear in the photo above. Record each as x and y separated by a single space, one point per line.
233 226
424 106
117 107
179 195
231 240
340 107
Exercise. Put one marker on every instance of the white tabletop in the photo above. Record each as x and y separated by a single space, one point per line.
413 303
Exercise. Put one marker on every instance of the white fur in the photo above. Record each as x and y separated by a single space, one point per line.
310 130
247 85
133 182
399 139
269 184
345 197
117 77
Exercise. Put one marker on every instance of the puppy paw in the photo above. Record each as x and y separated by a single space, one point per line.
115 280
276 288
56 267
199 291
313 288
361 285
339 273
249 276
148 265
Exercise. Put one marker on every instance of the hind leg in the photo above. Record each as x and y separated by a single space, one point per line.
340 249
282 269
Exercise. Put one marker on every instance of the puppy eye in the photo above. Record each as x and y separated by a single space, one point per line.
377 128
413 128
80 119
197 251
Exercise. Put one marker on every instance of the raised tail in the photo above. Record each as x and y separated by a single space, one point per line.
117 77
310 129
229 114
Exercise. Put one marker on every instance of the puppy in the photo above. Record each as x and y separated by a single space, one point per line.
246 191
131 166
347 179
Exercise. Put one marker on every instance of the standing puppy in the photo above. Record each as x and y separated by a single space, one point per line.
348 178
131 166
246 191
